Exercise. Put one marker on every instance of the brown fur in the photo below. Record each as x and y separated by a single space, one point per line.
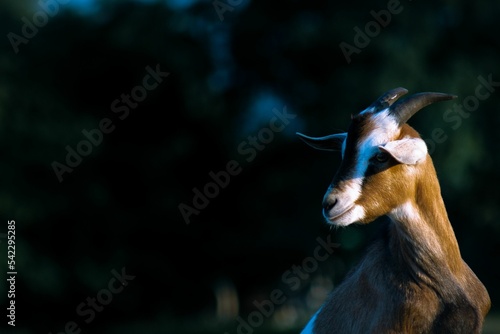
412 279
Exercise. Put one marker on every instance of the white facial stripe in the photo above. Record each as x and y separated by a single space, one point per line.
386 122
384 130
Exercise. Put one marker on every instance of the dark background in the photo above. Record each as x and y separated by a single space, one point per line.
119 208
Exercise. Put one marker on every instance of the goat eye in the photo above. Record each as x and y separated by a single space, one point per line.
382 156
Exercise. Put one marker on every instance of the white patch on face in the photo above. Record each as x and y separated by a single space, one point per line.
345 210
355 214
385 129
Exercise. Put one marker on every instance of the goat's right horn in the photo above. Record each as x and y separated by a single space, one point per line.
403 110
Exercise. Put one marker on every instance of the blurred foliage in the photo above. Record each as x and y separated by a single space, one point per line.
119 207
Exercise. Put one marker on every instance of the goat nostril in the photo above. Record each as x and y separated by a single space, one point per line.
328 205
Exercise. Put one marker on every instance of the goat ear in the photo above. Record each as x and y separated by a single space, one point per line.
326 143
409 151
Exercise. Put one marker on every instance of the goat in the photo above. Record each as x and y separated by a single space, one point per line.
412 279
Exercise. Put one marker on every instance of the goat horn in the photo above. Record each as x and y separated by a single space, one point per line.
387 99
403 110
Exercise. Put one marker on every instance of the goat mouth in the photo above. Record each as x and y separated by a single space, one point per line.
335 217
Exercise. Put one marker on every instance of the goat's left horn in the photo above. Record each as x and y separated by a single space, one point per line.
403 110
